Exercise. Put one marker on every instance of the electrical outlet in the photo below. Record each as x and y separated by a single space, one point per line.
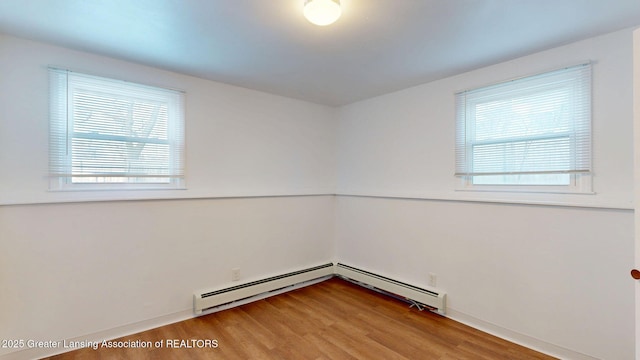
433 279
235 274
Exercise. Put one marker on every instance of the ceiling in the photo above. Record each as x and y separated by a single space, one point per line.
376 47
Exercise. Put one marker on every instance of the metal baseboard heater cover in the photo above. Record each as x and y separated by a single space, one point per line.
207 300
432 298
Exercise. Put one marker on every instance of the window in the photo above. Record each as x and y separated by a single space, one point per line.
529 134
111 134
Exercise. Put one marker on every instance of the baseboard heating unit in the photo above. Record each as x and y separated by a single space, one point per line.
430 298
209 299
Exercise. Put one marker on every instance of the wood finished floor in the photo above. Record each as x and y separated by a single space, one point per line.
330 320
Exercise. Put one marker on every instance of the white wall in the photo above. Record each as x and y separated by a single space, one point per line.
71 268
402 144
554 276
239 142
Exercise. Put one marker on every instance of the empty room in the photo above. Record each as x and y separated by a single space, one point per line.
298 179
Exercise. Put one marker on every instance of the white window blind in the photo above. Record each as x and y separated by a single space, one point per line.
531 127
105 131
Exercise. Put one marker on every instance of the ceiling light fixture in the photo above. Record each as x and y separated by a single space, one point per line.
322 12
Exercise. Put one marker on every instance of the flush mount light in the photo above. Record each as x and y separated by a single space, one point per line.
322 12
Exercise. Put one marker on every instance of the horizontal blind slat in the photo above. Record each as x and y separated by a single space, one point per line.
539 124
108 128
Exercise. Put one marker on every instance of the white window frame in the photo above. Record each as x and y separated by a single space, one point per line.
580 177
62 177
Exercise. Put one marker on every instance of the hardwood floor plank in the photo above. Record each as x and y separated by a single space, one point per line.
332 320
330 349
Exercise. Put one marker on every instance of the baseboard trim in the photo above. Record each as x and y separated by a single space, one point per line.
127 330
516 337
134 328
110 334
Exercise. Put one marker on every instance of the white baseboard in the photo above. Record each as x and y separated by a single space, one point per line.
127 330
517 338
114 333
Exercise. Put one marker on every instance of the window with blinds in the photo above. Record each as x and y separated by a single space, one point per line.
112 134
533 131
